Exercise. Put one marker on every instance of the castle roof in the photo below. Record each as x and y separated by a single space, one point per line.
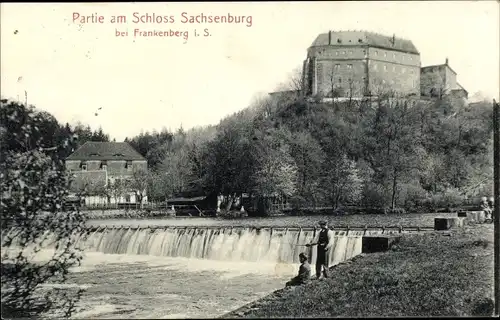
92 150
364 38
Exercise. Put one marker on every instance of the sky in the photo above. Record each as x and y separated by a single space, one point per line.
71 68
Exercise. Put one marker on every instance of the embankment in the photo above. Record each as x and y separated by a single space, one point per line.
433 274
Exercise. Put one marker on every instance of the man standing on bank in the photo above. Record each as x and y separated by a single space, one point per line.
324 240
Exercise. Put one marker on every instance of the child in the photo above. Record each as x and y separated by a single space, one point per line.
304 272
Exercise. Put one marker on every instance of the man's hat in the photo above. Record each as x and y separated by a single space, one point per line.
322 223
303 255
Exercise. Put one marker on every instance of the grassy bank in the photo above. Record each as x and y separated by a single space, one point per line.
436 274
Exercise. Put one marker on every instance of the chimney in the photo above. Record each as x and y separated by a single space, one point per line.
329 37
446 61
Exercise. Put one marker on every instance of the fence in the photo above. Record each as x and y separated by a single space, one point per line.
122 206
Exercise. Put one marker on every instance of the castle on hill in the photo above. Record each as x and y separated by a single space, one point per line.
361 63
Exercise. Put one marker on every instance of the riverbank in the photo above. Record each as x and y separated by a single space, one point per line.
434 274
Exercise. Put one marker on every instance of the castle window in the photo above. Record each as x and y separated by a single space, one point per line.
336 53
385 54
393 68
337 66
349 66
411 58
385 68
394 55
343 52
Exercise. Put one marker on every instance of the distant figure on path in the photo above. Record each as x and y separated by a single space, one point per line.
485 206
304 272
491 203
324 240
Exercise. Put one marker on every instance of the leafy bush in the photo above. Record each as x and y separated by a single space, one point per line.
34 188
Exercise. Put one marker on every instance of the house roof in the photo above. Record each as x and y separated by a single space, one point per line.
185 200
364 38
459 87
92 150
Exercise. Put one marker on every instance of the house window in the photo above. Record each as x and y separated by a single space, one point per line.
376 52
374 66
349 66
337 66
84 167
403 70
343 52
336 53
340 80
385 54
129 165
394 55
385 68
127 198
383 81
350 52
411 58
104 167
393 68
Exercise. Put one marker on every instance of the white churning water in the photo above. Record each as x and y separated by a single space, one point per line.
270 245
275 245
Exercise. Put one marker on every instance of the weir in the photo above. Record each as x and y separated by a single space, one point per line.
273 245
236 243
229 243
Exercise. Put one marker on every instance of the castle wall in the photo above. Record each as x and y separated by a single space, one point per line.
451 80
345 77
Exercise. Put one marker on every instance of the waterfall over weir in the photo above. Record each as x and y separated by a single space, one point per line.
275 245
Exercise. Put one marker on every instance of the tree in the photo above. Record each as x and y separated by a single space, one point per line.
309 158
139 183
342 182
116 188
275 172
34 187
